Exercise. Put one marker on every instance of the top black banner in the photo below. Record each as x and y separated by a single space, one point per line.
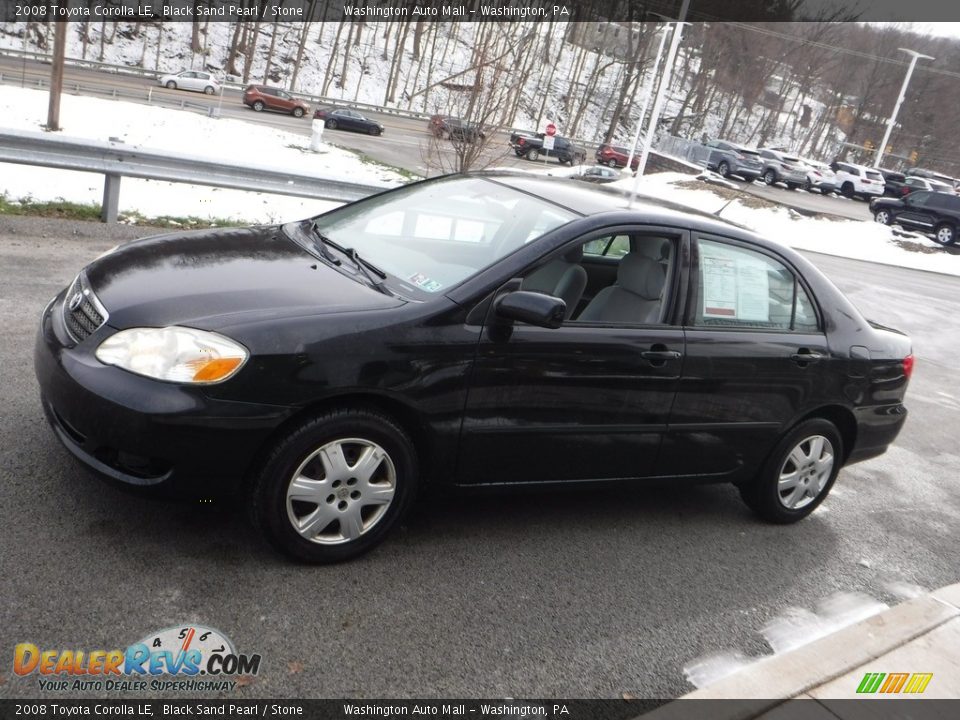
478 10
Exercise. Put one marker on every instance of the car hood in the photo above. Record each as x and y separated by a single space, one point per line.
211 279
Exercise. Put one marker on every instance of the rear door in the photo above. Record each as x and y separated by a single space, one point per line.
756 357
917 211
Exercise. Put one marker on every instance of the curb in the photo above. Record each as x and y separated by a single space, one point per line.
769 682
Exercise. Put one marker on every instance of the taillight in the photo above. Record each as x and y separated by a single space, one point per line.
908 366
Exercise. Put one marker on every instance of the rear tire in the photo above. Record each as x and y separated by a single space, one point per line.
945 234
533 154
724 169
208 90
332 488
847 190
770 177
798 474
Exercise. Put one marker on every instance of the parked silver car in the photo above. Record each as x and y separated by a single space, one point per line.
779 167
729 158
196 80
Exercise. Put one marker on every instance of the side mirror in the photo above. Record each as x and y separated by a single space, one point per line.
531 307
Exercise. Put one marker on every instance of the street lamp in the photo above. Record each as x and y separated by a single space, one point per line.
914 56
662 90
647 92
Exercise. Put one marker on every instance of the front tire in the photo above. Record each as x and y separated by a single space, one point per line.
298 112
847 190
724 169
945 234
770 177
612 163
798 474
330 124
258 106
374 131
332 488
882 217
171 85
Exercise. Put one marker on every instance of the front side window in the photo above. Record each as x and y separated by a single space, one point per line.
738 287
434 235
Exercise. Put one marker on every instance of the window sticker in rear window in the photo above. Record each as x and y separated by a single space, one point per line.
735 284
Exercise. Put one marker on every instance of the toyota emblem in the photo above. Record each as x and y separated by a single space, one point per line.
75 301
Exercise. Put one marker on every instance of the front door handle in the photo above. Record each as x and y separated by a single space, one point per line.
804 356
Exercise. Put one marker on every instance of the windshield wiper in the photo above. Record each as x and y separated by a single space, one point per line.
321 243
364 266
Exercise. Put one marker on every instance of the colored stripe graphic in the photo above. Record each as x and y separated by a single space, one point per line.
870 682
918 683
894 682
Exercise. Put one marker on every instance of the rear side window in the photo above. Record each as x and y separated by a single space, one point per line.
742 288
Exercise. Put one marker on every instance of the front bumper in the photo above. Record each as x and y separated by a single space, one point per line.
141 431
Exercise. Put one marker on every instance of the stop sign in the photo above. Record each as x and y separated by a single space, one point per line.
551 129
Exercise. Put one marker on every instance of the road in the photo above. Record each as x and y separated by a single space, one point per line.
581 594
405 143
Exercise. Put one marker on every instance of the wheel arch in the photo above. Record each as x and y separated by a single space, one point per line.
406 416
842 418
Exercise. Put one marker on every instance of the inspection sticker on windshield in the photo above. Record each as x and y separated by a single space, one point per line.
425 283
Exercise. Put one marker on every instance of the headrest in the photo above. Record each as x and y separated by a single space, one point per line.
640 275
574 254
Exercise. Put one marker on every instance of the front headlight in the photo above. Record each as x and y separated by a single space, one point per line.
174 354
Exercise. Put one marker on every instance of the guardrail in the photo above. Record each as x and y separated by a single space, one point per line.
115 160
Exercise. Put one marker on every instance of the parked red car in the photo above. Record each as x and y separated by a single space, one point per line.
261 97
616 156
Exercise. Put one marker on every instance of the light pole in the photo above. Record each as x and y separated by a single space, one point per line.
914 56
661 91
647 92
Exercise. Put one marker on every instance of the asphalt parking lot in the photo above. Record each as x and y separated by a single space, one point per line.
578 594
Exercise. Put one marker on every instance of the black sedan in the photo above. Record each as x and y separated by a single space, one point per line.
475 331
345 119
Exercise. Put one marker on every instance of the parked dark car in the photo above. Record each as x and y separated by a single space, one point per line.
729 158
596 174
336 118
616 156
453 128
894 180
531 147
261 97
472 331
935 213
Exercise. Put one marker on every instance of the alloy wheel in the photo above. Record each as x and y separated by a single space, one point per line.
805 472
341 491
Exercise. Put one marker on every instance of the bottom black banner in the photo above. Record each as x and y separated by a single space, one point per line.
866 709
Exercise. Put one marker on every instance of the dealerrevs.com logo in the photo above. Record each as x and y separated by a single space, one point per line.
188 657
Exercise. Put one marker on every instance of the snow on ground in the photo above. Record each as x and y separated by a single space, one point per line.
227 139
180 132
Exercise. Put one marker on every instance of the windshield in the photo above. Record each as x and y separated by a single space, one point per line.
432 236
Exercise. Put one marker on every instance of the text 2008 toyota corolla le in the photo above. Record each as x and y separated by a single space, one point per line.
483 330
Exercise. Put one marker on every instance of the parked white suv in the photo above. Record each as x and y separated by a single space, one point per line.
857 180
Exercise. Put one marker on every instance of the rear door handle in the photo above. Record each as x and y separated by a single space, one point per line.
660 355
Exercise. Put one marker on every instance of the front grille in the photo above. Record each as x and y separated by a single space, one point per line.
83 314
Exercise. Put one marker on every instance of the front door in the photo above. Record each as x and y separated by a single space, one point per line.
589 400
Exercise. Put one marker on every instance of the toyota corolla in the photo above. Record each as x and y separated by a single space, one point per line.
476 331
